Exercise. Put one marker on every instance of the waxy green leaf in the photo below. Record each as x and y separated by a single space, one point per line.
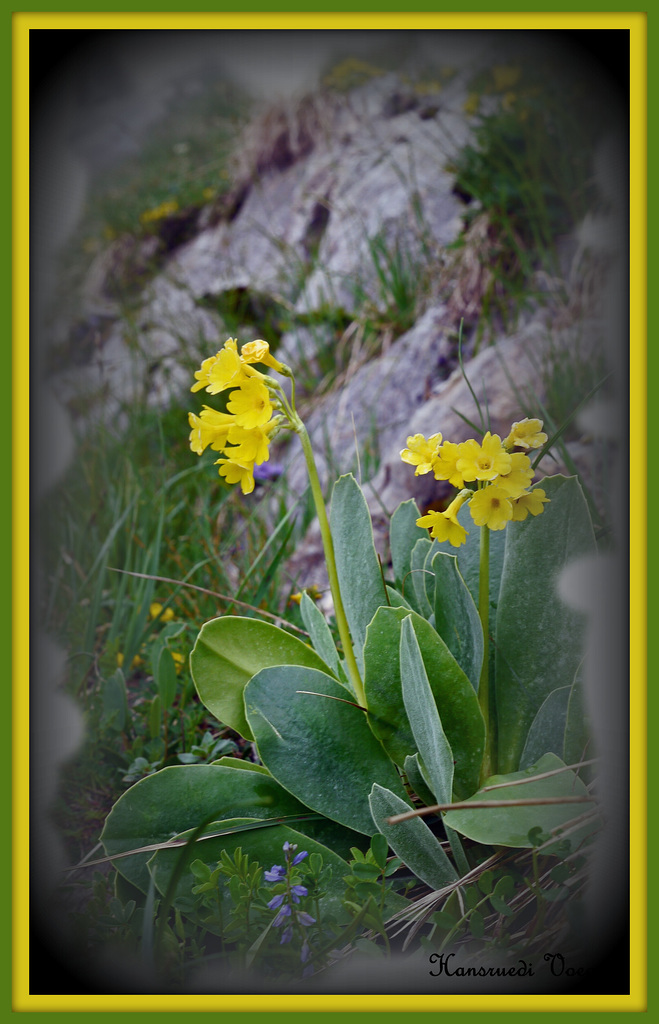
434 749
510 826
317 743
411 840
456 617
360 577
229 651
455 699
539 638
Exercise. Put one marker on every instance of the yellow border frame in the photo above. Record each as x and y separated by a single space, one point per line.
636 23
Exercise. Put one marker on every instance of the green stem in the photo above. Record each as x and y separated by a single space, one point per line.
487 766
328 547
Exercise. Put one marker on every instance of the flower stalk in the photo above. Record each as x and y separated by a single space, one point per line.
484 696
330 560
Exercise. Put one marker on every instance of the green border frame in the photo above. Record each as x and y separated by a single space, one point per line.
370 15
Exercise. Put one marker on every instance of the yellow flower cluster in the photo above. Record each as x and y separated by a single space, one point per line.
243 433
502 478
159 212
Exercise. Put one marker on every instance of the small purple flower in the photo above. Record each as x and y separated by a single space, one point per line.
304 918
305 952
281 916
276 901
289 846
308 971
297 891
286 935
275 874
300 856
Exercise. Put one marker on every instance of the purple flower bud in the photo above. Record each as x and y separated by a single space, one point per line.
297 891
275 874
281 916
305 919
286 935
305 952
276 901
300 856
289 846
308 971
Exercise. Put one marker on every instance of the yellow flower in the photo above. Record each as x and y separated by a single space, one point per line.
445 464
505 77
483 461
444 526
236 472
259 352
229 370
519 477
526 434
158 212
135 663
224 370
491 507
420 453
250 404
202 374
179 660
155 609
209 428
250 445
531 501
470 106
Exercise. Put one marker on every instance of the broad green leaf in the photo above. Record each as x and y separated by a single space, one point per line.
180 797
397 600
416 779
403 535
241 764
360 578
229 651
416 586
317 744
539 638
434 749
319 633
166 678
510 826
577 743
455 699
411 840
456 617
547 732
115 702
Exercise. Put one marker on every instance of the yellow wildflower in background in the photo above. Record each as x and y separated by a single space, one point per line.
505 77
159 212
155 609
471 104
